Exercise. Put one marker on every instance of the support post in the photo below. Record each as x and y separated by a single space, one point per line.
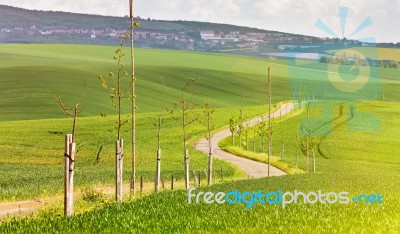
313 157
69 155
187 169
210 159
119 152
158 172
172 182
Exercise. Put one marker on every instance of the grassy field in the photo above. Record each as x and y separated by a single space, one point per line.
357 166
31 153
31 156
32 75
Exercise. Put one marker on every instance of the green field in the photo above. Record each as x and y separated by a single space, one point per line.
32 75
31 156
356 167
31 153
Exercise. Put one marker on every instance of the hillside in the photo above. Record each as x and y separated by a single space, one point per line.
30 26
35 74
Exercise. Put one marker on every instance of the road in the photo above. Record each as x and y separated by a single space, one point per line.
250 167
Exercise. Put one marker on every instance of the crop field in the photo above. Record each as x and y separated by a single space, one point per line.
348 168
33 126
31 76
31 156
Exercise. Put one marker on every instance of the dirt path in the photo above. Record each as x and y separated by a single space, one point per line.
251 168
27 207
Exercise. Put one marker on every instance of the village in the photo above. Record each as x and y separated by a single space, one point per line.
204 40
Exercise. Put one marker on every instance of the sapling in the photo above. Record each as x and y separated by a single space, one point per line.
232 126
69 155
208 122
116 93
184 107
262 132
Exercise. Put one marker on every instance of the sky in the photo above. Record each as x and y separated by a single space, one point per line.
293 16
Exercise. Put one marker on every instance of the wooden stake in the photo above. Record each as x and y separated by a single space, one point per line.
307 154
210 159
199 179
69 155
172 182
141 184
195 181
158 171
119 152
70 202
187 169
313 155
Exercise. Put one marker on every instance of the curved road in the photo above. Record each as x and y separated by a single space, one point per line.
250 167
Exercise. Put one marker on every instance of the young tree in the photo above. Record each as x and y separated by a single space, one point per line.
255 131
158 124
246 133
74 111
208 122
240 130
116 94
70 154
262 132
158 164
232 126
306 143
184 106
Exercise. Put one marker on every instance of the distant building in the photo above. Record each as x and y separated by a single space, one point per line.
207 35
5 30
